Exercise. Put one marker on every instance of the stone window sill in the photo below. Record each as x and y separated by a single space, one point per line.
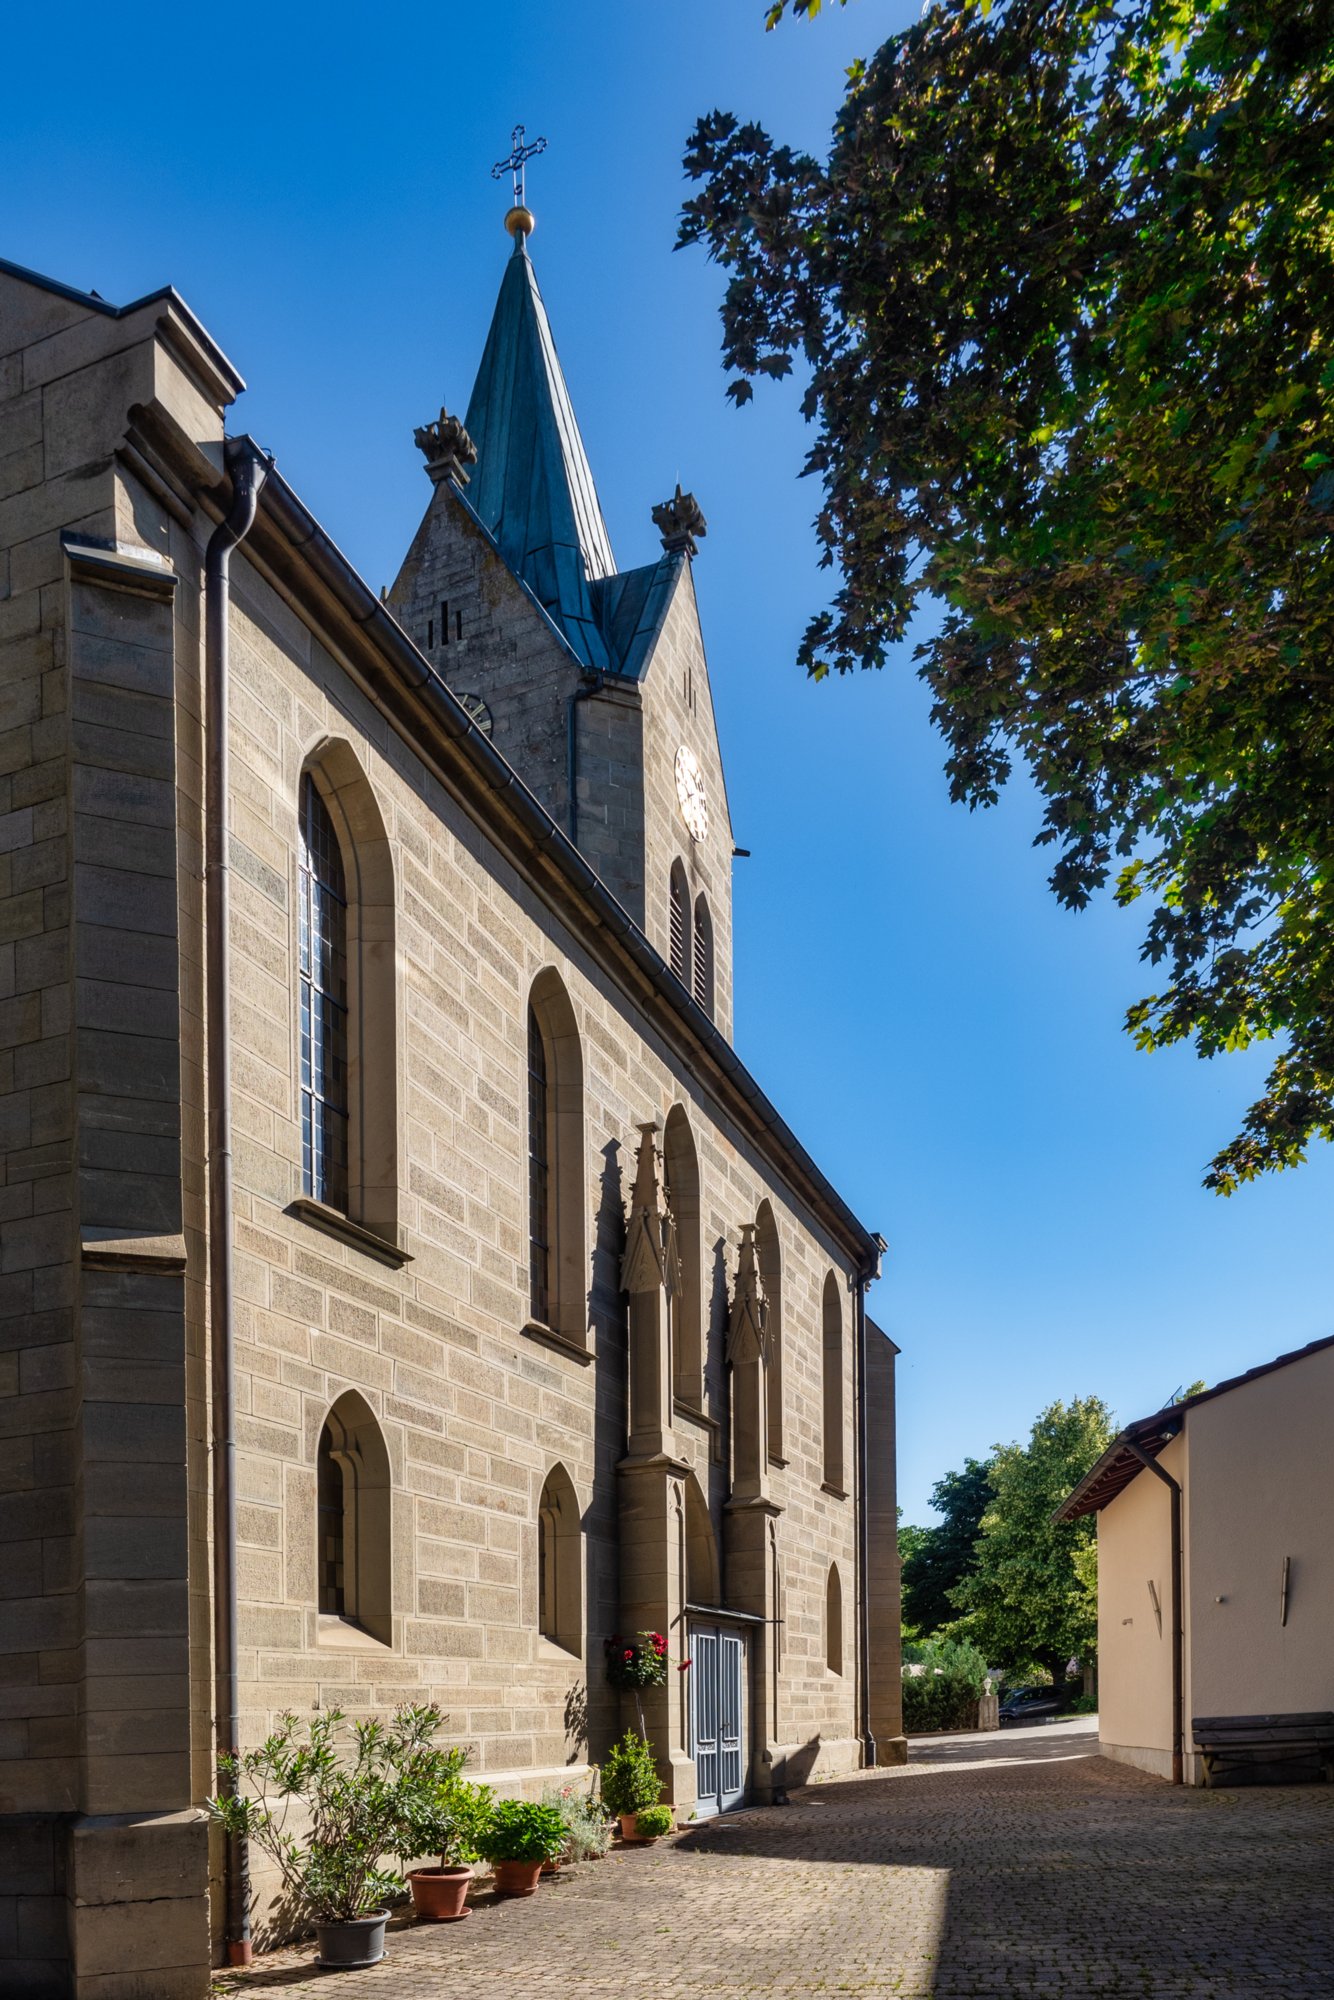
835 1492
331 1223
547 1336
334 1630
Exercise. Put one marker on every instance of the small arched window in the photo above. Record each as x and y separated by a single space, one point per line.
703 956
560 1564
557 1225
322 924
679 924
833 1621
832 1360
771 1280
353 1503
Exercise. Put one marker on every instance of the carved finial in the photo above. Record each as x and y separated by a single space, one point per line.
748 1321
680 521
447 448
648 1239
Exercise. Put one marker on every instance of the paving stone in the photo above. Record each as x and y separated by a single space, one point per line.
1015 1865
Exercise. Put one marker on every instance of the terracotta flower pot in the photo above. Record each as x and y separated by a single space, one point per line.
352 1944
440 1895
516 1878
628 1826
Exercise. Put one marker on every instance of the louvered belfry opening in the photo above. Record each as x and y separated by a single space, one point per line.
539 1175
704 957
680 925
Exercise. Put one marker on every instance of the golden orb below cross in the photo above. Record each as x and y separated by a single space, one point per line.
520 221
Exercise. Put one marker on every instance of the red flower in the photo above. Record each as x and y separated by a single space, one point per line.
684 1664
629 1652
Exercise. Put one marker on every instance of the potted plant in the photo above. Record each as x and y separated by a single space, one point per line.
516 1839
630 1781
587 1836
352 1803
653 1822
443 1815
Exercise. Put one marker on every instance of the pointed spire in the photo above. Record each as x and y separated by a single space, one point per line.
532 486
748 1321
650 1242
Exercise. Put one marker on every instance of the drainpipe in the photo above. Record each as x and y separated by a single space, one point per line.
587 688
865 1276
248 471
1178 1693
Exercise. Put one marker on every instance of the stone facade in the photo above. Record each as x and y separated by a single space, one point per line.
641 1415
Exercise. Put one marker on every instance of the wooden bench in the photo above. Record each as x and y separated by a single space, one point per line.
1266 1749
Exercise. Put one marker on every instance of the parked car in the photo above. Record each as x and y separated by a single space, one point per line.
1037 1704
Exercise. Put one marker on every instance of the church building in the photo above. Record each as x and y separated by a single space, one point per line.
405 1289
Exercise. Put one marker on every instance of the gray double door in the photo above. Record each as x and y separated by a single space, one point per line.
717 1662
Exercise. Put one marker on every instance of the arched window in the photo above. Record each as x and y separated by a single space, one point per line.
557 1263
560 1616
679 923
347 995
833 1621
539 1175
322 927
771 1279
681 1175
354 1557
703 956
832 1359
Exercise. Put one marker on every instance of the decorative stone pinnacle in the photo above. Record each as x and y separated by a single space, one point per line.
447 448
646 1262
680 521
748 1320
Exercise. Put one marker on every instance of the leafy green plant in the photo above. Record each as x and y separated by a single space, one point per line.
586 1832
1060 296
519 1830
353 1797
653 1821
445 1815
943 1680
630 1781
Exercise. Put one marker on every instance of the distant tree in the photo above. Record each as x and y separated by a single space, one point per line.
1062 296
1191 1389
1032 1594
940 1557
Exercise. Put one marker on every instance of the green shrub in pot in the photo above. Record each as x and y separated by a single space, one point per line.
519 1830
630 1781
653 1821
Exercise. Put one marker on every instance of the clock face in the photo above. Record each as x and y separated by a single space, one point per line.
474 707
690 793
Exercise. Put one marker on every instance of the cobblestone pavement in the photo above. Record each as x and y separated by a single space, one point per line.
1014 1865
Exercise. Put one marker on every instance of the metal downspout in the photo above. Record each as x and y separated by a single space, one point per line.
865 1277
1178 1617
248 470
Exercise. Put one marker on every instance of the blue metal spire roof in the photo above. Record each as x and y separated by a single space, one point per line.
532 486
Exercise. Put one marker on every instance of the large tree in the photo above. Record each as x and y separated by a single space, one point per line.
1032 1591
937 1559
1062 292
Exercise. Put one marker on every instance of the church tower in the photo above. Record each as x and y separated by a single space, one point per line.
591 681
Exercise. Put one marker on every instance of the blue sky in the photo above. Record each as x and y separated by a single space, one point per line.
944 1038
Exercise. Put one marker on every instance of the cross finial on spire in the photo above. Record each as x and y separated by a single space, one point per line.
519 221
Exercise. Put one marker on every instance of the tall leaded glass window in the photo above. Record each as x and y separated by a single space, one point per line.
322 897
539 1175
